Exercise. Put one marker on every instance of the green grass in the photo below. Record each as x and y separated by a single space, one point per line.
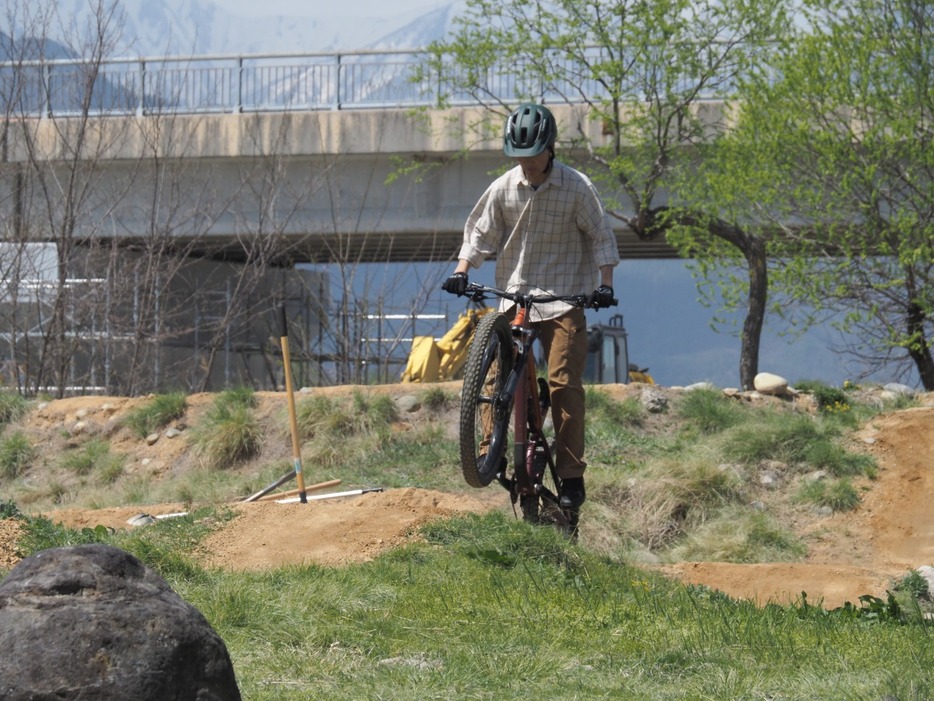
739 534
489 608
16 455
159 411
12 406
93 456
229 433
709 411
486 607
838 494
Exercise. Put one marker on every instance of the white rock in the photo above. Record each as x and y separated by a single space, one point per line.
141 520
927 572
767 383
898 389
699 385
152 438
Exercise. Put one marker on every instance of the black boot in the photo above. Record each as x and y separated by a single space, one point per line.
572 493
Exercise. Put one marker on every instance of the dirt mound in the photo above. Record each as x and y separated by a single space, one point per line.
850 554
854 553
328 532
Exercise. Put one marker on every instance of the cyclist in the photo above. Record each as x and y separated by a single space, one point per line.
549 231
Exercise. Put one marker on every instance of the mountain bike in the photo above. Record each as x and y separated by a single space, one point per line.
504 404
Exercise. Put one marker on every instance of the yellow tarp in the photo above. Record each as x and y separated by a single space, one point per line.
436 361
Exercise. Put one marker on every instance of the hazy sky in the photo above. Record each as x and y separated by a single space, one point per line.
320 8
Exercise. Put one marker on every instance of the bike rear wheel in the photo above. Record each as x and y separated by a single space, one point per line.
485 412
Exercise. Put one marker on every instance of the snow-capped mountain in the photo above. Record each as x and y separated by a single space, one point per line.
200 27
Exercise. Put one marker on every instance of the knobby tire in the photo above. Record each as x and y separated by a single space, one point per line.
485 414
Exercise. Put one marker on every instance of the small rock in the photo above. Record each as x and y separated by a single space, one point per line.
897 388
927 572
653 401
81 413
141 520
172 433
767 383
699 385
152 438
408 404
769 480
79 428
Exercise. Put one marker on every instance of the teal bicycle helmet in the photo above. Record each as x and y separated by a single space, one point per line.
529 130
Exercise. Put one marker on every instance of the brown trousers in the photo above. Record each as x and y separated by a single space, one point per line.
564 341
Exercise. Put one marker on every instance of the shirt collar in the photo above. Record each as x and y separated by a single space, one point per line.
555 178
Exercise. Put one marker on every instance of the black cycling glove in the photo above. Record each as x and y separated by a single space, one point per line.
456 284
602 297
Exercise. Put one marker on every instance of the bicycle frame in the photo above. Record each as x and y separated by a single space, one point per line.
528 417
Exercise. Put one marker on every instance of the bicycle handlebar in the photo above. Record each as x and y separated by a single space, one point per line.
478 293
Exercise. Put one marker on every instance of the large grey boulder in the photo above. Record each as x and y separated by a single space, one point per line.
93 622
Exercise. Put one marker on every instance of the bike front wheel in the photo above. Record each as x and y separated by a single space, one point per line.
485 409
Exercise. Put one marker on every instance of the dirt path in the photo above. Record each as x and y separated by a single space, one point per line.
849 555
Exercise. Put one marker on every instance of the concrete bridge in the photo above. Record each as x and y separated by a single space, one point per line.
334 184
363 176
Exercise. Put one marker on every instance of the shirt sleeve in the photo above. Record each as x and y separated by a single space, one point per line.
483 230
593 220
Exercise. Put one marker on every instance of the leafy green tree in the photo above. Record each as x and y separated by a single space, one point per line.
838 138
645 72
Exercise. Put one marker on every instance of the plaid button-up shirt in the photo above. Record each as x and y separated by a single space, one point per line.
553 239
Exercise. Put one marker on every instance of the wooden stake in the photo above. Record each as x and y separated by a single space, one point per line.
293 492
293 424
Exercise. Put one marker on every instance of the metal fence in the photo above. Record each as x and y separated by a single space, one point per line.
261 82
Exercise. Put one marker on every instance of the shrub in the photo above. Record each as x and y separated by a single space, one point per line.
95 454
320 417
16 455
156 413
915 584
710 410
839 462
601 407
839 495
229 432
830 400
784 438
437 398
12 406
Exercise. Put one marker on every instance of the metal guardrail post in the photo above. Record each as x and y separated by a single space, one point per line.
141 108
47 91
337 79
238 108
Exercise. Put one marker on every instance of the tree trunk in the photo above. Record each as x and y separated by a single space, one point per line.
918 348
754 251
651 223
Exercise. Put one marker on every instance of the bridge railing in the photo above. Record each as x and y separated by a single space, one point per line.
250 83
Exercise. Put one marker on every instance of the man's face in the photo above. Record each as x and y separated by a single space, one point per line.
534 166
